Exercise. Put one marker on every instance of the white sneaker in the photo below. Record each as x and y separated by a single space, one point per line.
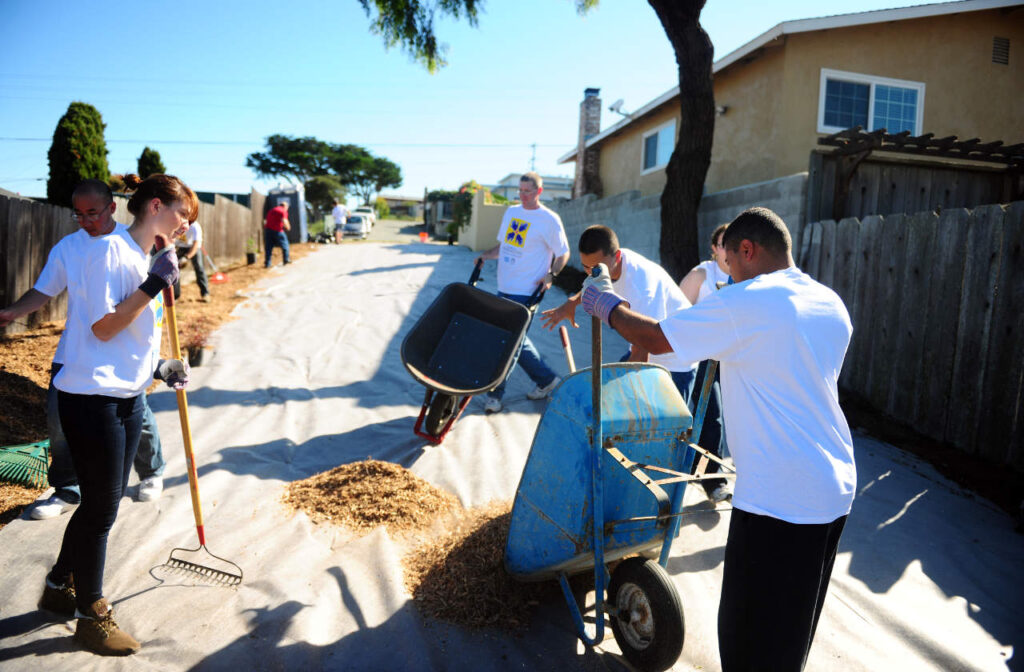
51 508
151 488
541 392
493 405
721 493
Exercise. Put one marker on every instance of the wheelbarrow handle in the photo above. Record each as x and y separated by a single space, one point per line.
475 276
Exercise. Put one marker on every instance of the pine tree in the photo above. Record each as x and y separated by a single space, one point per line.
78 152
150 163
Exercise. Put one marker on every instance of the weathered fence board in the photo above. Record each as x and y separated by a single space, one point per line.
888 295
827 267
1002 392
945 276
866 312
981 269
912 322
846 267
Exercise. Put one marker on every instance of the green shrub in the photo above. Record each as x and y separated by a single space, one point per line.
150 163
78 152
382 208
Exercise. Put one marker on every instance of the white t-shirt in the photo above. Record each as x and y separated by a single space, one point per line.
194 234
530 240
340 214
651 292
123 366
712 276
64 260
781 338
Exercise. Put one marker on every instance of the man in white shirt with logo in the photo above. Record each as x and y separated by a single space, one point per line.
340 215
781 338
94 212
532 249
647 287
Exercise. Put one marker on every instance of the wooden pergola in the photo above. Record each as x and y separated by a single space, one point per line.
853 145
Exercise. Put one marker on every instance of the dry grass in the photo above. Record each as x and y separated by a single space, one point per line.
368 494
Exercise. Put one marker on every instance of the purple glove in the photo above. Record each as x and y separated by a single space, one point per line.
174 372
163 272
599 298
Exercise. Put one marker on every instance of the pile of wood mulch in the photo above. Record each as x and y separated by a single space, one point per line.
460 577
368 494
25 364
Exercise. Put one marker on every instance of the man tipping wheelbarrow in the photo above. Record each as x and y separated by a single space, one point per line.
532 249
781 338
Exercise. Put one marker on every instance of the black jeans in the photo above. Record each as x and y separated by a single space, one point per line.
775 580
103 435
200 269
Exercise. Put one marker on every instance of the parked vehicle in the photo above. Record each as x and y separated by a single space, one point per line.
356 225
367 212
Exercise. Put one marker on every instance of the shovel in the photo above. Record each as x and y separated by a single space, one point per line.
225 572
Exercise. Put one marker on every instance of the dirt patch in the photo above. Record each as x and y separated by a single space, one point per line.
25 363
368 494
460 577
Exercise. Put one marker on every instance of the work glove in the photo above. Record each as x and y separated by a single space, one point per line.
174 372
599 297
163 272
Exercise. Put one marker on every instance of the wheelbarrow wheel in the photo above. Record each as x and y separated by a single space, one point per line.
441 408
648 626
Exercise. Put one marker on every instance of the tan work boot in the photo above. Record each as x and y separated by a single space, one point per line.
98 632
59 599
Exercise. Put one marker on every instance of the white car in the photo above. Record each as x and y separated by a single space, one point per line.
367 212
356 225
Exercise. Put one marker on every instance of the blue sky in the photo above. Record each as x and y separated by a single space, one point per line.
204 83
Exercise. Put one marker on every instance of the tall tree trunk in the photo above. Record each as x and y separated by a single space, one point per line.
686 170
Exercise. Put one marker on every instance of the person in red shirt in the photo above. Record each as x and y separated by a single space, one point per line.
275 224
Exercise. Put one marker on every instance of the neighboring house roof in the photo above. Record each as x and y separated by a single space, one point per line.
415 199
512 180
803 26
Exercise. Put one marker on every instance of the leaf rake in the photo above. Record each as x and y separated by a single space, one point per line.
25 464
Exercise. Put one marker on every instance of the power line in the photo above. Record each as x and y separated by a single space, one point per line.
260 142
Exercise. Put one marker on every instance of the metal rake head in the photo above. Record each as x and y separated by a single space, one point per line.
228 575
26 464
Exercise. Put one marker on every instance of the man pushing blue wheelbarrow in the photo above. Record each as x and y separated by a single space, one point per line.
604 481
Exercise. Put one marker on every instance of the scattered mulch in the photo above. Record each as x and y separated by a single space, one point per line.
460 577
25 363
368 494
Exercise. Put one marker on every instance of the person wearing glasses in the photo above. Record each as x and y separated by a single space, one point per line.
646 285
94 209
532 249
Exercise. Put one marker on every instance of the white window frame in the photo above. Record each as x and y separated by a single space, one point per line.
872 81
643 144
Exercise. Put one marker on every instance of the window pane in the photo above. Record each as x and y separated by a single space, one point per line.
650 151
666 143
846 103
895 109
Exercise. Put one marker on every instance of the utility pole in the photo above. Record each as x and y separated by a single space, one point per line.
533 157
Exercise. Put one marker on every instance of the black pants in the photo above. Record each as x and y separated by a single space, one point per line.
103 435
711 431
197 266
775 579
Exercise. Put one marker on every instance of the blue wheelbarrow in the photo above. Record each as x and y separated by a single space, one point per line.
604 481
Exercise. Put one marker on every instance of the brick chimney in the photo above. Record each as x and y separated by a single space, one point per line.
588 179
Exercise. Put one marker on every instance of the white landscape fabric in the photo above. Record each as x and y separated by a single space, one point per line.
309 377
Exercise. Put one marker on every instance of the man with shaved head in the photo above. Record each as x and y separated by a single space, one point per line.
94 209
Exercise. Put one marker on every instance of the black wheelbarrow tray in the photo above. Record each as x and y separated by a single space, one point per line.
463 345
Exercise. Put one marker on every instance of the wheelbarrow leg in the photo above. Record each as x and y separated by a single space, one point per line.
677 505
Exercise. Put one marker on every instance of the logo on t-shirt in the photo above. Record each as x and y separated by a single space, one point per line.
516 234
158 308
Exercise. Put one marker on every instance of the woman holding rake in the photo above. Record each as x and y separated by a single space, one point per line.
112 346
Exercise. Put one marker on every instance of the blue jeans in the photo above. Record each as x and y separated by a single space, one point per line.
272 239
528 357
710 438
149 460
102 435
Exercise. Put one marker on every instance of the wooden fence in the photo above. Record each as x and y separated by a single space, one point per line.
884 185
28 230
937 303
